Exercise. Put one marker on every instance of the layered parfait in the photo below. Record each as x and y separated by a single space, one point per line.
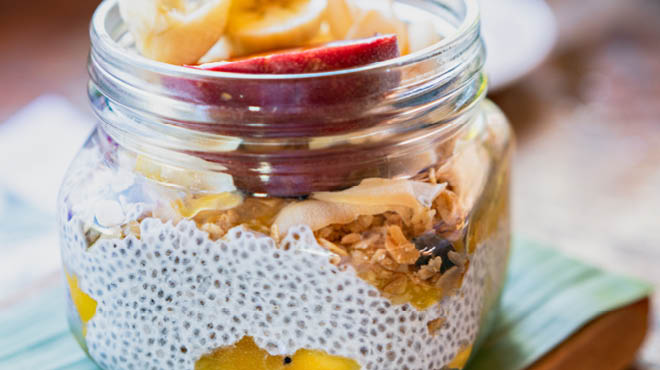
342 264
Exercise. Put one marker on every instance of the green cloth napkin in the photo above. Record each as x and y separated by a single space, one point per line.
547 298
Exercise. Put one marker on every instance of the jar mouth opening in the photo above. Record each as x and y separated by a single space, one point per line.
102 36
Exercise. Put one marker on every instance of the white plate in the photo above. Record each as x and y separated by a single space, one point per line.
519 35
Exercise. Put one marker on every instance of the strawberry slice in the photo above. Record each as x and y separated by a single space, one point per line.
329 57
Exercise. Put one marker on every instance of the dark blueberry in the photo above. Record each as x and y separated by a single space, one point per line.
287 360
431 245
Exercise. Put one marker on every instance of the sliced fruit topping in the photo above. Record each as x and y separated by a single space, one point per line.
461 358
260 25
85 305
246 355
379 20
203 31
175 31
340 16
422 34
330 57
221 50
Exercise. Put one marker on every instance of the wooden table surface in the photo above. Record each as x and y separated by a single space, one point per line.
587 176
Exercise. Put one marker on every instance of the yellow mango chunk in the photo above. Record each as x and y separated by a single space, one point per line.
461 359
246 355
421 296
85 305
317 360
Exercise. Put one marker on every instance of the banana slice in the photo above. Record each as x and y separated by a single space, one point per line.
225 49
262 25
324 36
175 31
222 50
340 16
379 19
422 34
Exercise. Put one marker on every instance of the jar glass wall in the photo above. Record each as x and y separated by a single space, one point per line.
344 220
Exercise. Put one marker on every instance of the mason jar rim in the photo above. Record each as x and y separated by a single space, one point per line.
163 111
101 37
153 107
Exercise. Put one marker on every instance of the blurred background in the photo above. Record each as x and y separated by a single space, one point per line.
587 117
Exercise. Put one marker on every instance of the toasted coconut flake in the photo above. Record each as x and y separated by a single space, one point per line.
391 192
466 173
318 214
426 192
449 209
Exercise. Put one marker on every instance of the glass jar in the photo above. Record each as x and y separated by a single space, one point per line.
356 219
